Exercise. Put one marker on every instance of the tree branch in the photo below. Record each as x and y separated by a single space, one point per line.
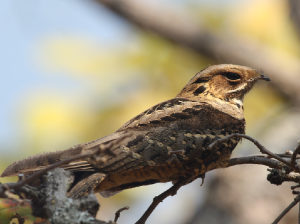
170 192
285 211
117 214
260 146
257 160
294 156
181 29
295 14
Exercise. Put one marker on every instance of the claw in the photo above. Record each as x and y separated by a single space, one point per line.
202 176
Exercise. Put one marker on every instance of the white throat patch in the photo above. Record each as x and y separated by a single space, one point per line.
239 102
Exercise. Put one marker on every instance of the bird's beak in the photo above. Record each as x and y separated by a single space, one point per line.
263 77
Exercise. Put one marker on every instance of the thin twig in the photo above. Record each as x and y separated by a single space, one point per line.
282 155
202 176
296 200
295 153
299 213
260 146
294 187
257 160
117 214
170 192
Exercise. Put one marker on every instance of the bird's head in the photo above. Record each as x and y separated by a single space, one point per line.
224 82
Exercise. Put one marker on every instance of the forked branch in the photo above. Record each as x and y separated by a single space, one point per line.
170 192
262 149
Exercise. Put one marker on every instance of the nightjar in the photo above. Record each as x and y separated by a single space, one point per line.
208 108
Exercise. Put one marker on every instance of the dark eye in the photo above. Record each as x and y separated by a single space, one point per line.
232 76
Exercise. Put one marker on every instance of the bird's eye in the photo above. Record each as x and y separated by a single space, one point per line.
232 76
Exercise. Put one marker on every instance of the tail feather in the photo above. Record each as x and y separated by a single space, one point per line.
39 161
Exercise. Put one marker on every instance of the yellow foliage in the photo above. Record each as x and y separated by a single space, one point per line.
267 21
52 121
72 54
261 102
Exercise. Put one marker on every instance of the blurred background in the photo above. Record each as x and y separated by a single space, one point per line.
73 71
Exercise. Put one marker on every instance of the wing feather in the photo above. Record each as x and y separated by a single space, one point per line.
164 110
169 110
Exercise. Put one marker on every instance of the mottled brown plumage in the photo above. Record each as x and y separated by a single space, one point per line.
209 107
